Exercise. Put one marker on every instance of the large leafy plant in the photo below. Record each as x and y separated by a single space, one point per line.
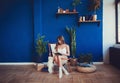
72 32
85 58
94 5
41 45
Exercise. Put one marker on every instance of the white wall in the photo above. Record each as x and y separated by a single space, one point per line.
108 27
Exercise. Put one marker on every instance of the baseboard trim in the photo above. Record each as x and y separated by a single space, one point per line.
33 63
98 62
18 63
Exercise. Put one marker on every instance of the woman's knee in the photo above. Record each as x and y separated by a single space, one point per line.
59 57
56 59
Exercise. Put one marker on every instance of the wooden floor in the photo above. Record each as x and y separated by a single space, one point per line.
28 74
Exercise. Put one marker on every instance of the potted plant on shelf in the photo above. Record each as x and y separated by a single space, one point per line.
72 34
40 49
94 5
75 3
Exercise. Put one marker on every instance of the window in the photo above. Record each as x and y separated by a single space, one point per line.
117 6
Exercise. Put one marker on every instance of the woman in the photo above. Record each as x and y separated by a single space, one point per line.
63 49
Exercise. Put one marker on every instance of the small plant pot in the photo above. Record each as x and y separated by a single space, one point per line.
67 10
73 61
74 10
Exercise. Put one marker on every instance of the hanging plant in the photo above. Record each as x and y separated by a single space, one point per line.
94 5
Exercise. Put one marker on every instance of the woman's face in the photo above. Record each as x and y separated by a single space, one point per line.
59 41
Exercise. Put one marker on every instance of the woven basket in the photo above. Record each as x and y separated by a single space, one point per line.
92 68
39 67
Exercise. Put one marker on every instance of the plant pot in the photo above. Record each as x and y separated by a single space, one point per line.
39 59
67 10
94 17
73 61
39 66
74 10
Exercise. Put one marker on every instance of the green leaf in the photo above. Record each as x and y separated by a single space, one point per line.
72 34
41 45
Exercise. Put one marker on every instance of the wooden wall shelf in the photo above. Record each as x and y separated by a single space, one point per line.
67 13
79 22
97 21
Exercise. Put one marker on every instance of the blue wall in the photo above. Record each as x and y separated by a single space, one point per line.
89 35
22 20
16 31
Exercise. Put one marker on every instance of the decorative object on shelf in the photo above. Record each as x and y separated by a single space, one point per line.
83 18
72 33
80 18
89 21
67 12
94 17
64 11
88 17
94 5
59 9
76 3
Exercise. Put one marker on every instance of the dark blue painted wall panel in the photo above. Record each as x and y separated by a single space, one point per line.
37 17
16 35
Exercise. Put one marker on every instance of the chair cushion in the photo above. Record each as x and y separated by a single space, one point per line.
52 46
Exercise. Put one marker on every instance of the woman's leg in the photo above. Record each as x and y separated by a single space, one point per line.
59 63
60 66
58 60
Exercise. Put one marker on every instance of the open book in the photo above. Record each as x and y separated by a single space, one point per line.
58 53
53 50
